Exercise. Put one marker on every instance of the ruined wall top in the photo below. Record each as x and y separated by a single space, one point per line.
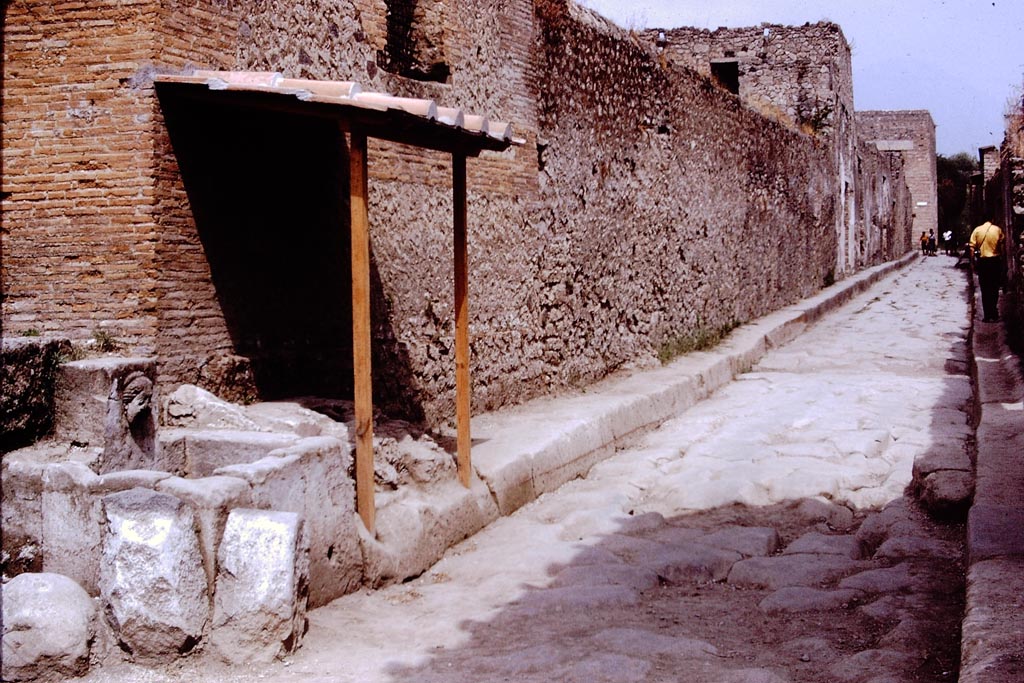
989 161
801 75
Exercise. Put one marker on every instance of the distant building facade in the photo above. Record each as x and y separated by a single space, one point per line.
912 134
803 77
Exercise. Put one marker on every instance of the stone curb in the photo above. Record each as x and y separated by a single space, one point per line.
992 636
534 448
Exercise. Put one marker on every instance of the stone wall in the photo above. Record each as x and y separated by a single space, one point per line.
801 75
28 371
885 205
646 207
912 133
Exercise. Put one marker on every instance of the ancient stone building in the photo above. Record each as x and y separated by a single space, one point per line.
801 76
645 207
912 134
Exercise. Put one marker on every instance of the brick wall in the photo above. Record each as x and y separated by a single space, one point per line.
645 207
79 241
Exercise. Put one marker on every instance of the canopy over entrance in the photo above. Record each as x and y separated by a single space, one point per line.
416 122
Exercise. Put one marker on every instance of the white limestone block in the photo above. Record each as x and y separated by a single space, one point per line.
259 608
152 580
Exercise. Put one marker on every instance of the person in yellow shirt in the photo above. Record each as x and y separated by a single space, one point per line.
987 257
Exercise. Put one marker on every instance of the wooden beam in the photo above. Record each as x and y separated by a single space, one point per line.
361 348
462 386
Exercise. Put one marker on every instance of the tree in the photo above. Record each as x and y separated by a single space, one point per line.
954 175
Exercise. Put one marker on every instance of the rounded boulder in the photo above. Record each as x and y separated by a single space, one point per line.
48 627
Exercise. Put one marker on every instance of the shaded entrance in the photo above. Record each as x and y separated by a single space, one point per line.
249 134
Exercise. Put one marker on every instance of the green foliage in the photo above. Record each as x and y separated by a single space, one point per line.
953 175
701 339
105 342
32 333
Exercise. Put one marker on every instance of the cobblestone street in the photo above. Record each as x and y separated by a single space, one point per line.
765 535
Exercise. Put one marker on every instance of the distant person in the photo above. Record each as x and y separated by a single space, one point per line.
933 248
987 258
947 242
924 244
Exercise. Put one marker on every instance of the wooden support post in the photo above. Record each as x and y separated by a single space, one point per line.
361 348
462 387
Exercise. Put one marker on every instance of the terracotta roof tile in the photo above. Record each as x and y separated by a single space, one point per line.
347 94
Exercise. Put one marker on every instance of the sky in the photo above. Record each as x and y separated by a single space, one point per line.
962 60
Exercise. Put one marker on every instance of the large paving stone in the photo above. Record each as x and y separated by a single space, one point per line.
804 599
575 600
647 644
818 510
648 521
638 578
47 628
603 667
940 457
262 586
906 547
947 493
747 541
825 544
907 576
915 635
871 664
681 563
152 580
792 570
898 518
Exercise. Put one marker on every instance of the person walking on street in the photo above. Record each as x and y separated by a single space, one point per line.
987 258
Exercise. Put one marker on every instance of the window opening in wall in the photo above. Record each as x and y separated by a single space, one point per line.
727 75
415 44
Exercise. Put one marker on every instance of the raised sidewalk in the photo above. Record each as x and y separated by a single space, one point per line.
992 640
568 435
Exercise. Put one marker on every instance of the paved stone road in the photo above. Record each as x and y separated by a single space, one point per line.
738 543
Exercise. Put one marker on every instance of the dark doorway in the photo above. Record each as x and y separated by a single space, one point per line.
727 75
269 199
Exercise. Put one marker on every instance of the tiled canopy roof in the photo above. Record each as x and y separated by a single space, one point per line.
402 119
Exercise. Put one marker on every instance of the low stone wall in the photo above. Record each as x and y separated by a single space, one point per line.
128 519
28 370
